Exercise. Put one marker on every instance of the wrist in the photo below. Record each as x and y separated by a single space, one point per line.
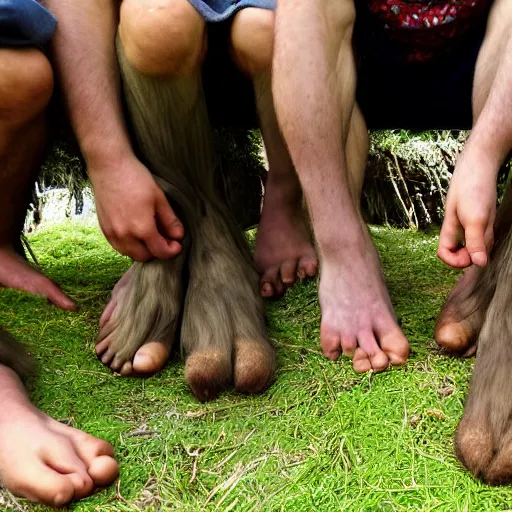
102 153
492 147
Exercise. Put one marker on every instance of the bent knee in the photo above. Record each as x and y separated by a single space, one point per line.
162 37
252 40
26 84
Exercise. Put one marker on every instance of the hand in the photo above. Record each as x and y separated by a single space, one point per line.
134 213
467 234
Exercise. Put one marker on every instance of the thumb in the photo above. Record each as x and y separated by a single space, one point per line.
475 244
450 249
168 222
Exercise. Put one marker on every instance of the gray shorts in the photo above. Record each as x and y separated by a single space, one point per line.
220 10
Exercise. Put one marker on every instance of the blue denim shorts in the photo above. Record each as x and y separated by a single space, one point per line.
220 10
25 23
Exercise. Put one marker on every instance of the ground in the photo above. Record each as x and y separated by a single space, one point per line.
322 437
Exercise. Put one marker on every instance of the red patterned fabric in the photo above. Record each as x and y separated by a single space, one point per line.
425 27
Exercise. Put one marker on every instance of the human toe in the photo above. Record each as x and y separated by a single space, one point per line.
361 361
307 268
368 343
330 343
151 357
96 454
395 346
348 345
289 272
103 470
452 336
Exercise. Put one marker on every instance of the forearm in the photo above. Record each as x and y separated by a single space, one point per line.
84 50
493 129
314 92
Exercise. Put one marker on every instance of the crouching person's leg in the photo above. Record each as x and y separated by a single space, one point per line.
40 458
26 85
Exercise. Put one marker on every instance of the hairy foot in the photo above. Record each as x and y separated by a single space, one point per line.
138 326
43 460
254 365
357 316
283 244
223 333
17 273
461 318
483 440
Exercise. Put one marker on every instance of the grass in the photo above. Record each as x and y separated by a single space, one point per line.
321 438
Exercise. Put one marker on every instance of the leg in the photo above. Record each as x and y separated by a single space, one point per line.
26 84
222 286
315 103
462 316
40 458
483 439
283 245
161 39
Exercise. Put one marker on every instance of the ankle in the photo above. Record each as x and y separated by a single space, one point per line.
282 198
12 391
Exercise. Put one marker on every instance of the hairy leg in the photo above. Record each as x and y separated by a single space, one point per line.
284 249
314 93
483 439
173 133
489 144
40 458
159 40
223 310
26 83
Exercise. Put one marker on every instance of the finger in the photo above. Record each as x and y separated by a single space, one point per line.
167 220
475 244
160 247
132 248
57 297
489 238
450 250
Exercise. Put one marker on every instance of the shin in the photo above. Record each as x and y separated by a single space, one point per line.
222 308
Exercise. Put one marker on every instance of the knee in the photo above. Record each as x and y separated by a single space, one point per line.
252 40
26 84
162 38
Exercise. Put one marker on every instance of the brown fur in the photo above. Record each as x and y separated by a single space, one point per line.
223 335
468 306
483 439
14 355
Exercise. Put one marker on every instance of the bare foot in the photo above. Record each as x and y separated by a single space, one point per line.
462 316
43 460
138 326
357 316
283 244
17 273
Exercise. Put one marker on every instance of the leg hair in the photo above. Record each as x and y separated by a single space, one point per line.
484 436
223 310
471 303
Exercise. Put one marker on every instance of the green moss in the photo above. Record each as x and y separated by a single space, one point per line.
322 437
